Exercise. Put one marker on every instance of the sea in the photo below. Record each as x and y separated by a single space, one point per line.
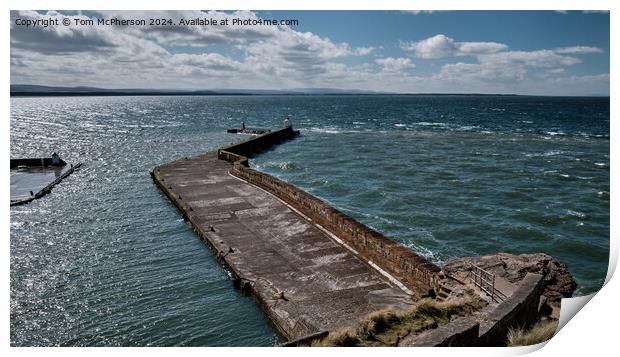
106 260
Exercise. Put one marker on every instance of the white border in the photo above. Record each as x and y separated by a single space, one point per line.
592 330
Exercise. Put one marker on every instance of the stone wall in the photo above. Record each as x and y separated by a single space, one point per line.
414 271
44 161
518 310
491 326
255 145
463 331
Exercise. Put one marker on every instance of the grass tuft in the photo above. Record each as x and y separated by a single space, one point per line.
386 327
343 337
540 332
376 322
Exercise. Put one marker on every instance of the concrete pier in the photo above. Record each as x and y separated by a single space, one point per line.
34 178
311 267
249 131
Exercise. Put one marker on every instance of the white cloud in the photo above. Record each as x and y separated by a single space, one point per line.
67 40
198 35
363 51
274 57
534 59
271 55
441 46
564 12
395 64
433 47
297 55
417 12
506 67
597 84
578 50
590 80
476 48
210 64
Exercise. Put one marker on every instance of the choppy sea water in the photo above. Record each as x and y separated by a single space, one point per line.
107 260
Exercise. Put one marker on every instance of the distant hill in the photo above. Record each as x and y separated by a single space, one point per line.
36 90
335 91
30 90
22 90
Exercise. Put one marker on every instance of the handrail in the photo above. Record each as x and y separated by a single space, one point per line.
486 282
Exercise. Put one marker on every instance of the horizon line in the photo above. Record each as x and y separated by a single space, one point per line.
100 91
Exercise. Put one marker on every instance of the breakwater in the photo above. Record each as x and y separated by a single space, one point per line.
39 164
311 268
36 162
414 271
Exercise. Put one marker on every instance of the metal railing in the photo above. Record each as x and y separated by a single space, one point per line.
486 282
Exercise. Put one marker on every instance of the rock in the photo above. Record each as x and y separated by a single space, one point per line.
559 283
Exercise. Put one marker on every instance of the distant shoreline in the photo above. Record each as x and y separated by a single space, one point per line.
200 94
34 90
116 94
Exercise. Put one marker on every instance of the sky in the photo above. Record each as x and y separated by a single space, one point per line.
506 52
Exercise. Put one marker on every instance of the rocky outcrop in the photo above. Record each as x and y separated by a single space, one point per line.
558 282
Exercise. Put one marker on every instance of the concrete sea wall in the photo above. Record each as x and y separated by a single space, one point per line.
412 270
213 202
305 281
491 326
47 189
35 162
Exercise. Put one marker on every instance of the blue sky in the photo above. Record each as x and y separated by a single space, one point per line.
521 52
522 30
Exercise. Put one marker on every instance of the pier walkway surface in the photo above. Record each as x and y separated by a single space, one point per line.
306 278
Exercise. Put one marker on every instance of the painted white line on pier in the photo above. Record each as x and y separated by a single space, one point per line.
391 278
